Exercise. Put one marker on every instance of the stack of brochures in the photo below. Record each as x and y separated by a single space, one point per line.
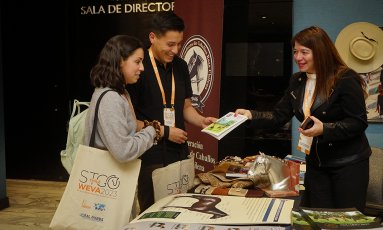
224 125
321 218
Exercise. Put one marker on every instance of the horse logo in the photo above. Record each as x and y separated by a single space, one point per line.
195 66
204 204
199 57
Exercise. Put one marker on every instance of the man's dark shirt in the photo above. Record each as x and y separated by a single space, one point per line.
148 104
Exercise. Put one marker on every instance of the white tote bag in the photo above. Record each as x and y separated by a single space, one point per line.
99 194
177 177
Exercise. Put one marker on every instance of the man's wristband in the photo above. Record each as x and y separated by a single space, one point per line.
166 132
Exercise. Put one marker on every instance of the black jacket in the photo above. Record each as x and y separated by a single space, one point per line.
344 118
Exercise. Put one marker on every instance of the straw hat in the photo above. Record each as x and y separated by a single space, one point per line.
360 45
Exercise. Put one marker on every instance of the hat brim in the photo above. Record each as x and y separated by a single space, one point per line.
352 31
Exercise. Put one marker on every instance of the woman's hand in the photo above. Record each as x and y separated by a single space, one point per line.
315 130
244 112
140 125
162 130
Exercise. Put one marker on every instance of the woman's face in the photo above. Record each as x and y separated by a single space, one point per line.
132 66
303 56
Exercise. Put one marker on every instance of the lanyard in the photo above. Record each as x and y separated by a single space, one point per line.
308 100
159 81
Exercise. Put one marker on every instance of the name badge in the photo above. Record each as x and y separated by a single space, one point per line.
304 144
169 117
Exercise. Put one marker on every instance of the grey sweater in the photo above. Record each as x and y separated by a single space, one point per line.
116 127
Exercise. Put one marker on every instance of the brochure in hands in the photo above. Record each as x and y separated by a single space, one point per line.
224 125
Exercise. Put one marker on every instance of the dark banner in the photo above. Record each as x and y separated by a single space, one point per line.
92 23
202 50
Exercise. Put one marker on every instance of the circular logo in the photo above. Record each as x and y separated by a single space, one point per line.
197 53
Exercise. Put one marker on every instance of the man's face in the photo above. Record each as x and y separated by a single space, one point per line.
166 46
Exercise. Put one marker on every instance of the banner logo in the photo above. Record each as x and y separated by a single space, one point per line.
199 57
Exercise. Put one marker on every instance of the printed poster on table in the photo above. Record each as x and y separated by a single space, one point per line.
215 209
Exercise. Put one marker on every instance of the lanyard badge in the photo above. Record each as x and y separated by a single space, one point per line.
304 144
169 113
169 117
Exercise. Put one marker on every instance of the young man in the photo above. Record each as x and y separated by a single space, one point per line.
163 93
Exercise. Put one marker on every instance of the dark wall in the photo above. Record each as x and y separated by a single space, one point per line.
4 201
49 50
35 92
255 85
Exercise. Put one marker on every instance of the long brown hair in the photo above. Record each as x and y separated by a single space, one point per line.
328 64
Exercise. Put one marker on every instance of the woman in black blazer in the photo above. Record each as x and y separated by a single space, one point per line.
332 95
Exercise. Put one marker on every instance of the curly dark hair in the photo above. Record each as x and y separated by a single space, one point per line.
107 72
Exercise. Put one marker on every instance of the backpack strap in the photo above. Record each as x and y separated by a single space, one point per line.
76 108
93 135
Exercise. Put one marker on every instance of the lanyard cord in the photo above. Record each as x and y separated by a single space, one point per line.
308 100
160 83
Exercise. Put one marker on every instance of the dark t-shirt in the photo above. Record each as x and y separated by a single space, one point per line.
148 104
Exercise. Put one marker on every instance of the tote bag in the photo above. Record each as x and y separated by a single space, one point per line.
177 177
99 194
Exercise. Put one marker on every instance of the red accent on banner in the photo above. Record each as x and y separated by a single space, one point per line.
202 50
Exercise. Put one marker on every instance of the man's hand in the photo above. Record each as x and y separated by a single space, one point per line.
177 135
206 121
